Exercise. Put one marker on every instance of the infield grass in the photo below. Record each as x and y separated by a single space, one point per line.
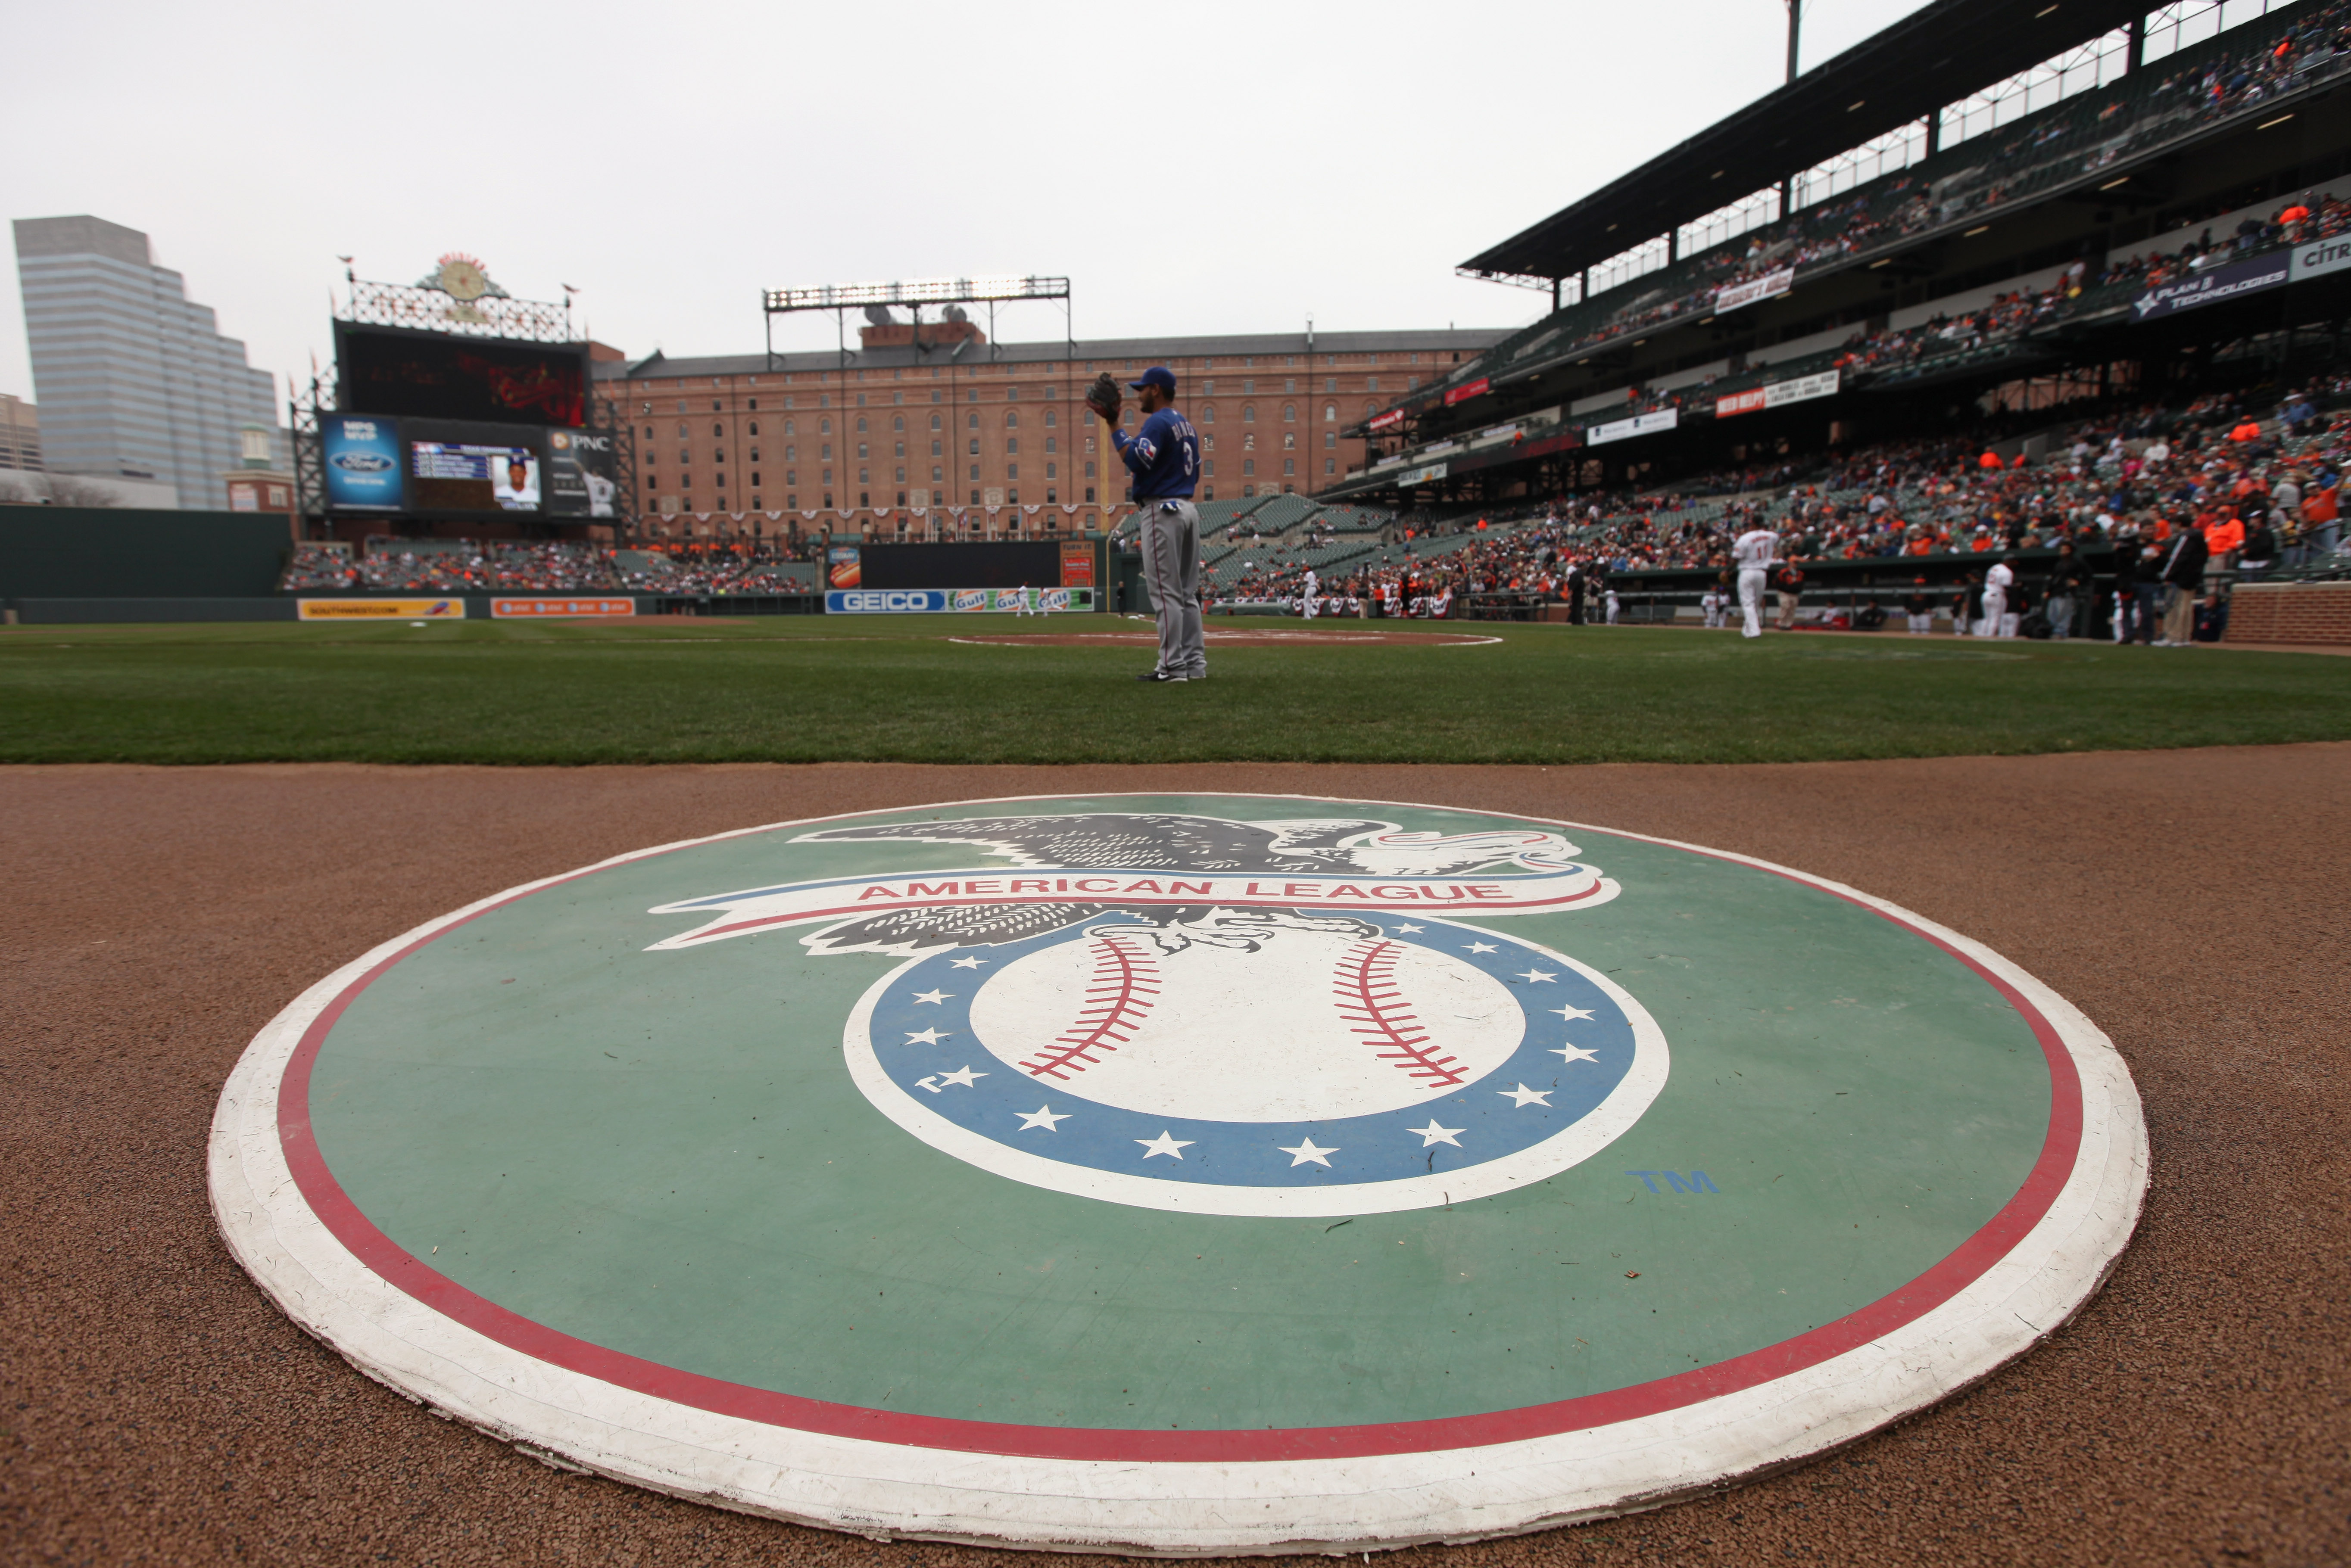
898 690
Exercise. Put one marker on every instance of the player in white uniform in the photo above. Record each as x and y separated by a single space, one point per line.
1996 621
1757 550
1306 600
1028 600
1610 596
1710 603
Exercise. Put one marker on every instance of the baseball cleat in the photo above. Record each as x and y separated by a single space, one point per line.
1155 676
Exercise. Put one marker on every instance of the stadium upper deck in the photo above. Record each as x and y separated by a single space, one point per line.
1977 230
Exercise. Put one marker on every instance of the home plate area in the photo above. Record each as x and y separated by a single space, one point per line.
1179 1174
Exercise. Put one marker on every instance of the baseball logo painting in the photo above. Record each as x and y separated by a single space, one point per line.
1185 1174
1247 1057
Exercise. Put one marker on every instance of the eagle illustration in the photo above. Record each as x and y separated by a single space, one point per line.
1148 842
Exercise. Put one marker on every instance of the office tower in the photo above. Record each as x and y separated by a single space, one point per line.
133 380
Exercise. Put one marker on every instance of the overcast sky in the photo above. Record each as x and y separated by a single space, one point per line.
1217 167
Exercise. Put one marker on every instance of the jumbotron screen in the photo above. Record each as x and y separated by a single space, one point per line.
428 374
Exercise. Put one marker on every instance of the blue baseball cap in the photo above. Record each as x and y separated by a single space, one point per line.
1158 376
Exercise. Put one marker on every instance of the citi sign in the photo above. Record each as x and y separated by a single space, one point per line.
2324 256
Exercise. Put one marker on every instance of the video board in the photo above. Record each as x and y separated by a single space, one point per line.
461 470
430 375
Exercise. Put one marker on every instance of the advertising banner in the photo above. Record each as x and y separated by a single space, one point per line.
1476 389
1801 389
1764 287
362 463
1077 563
505 609
1638 425
1421 475
2222 283
381 609
1388 421
841 566
2320 257
924 601
583 480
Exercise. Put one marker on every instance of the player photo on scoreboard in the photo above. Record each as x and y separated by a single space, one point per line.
473 476
514 479
581 474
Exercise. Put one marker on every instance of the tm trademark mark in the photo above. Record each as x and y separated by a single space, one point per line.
1696 1181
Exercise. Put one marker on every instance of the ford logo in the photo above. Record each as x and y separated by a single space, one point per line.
360 462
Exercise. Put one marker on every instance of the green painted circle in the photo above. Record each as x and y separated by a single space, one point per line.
663 1154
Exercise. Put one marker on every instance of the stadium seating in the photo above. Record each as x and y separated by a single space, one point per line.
2235 72
468 566
1929 503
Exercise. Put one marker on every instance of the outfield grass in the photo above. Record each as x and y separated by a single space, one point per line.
819 690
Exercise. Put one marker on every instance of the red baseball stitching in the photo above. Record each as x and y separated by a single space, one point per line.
1125 980
1368 999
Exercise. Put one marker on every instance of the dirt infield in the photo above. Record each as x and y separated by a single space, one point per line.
1218 636
158 1408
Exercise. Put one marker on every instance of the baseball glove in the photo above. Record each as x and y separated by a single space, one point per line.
1104 397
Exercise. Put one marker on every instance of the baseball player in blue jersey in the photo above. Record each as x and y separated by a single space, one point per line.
1164 457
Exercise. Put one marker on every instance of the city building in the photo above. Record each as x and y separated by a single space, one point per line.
956 424
20 434
254 486
134 380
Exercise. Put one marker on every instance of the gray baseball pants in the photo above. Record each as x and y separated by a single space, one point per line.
1170 570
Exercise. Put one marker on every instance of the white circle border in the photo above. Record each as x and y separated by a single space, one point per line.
1571 1145
891 1490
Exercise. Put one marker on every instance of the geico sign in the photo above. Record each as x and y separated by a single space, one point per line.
870 600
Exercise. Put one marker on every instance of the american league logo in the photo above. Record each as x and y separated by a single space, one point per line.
1285 1016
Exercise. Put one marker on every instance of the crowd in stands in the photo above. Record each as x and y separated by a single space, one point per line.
562 566
453 567
2083 135
2260 492
2014 313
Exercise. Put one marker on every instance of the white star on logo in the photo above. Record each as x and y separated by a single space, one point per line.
927 1037
1407 928
936 996
1572 1012
1164 1143
963 1075
1524 1096
1433 1135
965 963
1305 1151
1482 948
1044 1117
1574 1053
1537 976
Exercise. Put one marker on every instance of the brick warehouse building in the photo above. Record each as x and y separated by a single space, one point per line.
959 435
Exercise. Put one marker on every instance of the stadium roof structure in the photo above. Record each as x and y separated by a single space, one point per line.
986 357
1901 74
